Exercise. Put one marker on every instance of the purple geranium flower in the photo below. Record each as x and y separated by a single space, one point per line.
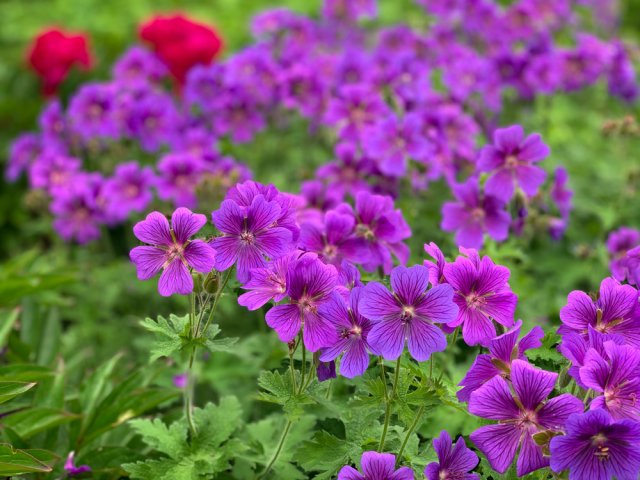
326 371
336 241
356 108
454 461
436 269
616 311
129 190
391 142
310 284
376 466
92 112
171 250
23 151
560 194
473 214
180 174
482 295
139 65
503 350
70 466
619 243
382 227
520 417
249 235
616 375
352 330
408 314
267 283
510 161
597 448
52 170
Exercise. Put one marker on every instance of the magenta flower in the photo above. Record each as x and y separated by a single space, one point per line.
619 243
310 284
249 235
616 375
337 241
503 350
454 461
510 161
180 174
70 466
392 142
376 466
519 418
597 448
408 314
436 269
482 295
171 250
267 283
352 330
129 190
474 214
616 311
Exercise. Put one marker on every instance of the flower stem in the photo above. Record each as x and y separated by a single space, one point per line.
190 386
389 401
276 454
215 301
409 433
303 368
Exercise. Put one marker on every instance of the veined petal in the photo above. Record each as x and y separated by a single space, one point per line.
387 338
200 255
409 283
498 443
532 385
494 401
154 230
185 224
175 279
377 303
424 339
148 261
285 320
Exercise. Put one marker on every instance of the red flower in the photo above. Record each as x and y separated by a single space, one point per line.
181 43
52 55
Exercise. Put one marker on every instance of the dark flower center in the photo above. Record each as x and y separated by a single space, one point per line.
511 161
475 301
365 231
599 442
247 237
408 312
307 305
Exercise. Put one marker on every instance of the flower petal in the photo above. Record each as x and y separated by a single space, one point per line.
498 443
185 224
148 261
153 230
175 279
200 255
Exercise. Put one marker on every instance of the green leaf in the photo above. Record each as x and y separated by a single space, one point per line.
171 441
20 462
323 452
169 335
95 388
219 345
32 421
279 390
24 373
13 289
9 390
548 351
8 318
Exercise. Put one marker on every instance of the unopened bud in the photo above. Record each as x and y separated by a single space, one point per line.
211 282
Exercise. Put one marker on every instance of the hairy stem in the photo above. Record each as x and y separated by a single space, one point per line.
276 454
412 427
389 401
189 387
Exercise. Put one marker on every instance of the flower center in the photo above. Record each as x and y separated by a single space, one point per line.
365 231
330 251
307 305
247 237
475 301
527 419
477 214
511 161
175 251
602 451
408 312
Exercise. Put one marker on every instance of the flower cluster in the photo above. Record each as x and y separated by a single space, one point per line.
389 123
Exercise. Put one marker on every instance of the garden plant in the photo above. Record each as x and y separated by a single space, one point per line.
370 240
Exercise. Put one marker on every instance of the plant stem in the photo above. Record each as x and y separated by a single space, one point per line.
276 454
215 300
303 367
409 432
189 387
384 379
293 373
389 401
431 368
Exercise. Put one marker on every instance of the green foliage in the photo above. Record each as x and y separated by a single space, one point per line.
190 457
19 462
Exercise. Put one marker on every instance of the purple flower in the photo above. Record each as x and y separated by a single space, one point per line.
616 311
376 466
326 371
52 170
619 243
408 314
392 141
574 347
382 227
482 295
336 240
53 122
181 380
616 375
23 151
70 466
267 283
249 235
597 447
503 350
238 115
180 174
520 417
302 89
560 194
454 461
139 65
92 112
310 284
352 330
171 250
473 214
436 270
129 190
510 161
153 120
349 10
349 172
77 209
354 109
622 74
